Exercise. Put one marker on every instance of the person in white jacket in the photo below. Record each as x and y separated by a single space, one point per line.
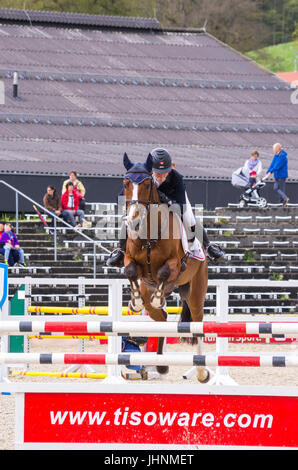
253 164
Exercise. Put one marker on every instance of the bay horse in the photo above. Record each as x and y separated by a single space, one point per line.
155 261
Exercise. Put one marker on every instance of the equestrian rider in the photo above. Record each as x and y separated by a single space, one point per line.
171 189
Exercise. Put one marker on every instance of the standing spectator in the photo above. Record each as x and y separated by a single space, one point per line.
79 188
11 243
2 252
51 201
70 206
279 168
253 164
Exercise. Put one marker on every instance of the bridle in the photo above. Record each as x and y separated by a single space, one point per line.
148 203
140 201
148 243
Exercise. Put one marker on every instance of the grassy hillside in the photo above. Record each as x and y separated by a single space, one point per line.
278 58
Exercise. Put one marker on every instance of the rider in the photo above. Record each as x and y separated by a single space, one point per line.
171 189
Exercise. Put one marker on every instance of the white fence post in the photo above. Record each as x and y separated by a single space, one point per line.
3 316
114 342
222 376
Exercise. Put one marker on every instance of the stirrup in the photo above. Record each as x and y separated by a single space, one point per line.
215 256
116 258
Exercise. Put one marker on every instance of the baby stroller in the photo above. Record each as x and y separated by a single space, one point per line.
251 195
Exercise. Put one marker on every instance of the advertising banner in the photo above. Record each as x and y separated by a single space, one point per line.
167 419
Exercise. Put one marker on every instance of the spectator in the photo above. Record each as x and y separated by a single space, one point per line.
70 206
253 164
252 178
11 244
51 201
13 255
79 188
1 243
279 168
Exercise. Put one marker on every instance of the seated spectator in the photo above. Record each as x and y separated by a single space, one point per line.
51 201
13 255
70 206
11 244
78 188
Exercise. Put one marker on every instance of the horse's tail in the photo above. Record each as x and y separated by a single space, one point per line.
186 317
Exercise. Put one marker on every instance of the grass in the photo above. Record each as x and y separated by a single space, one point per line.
279 58
249 256
276 277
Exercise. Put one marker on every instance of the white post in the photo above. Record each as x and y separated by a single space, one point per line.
114 342
3 316
19 420
222 376
28 297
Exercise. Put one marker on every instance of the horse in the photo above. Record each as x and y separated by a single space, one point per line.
155 261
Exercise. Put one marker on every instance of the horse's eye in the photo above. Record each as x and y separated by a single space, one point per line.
126 185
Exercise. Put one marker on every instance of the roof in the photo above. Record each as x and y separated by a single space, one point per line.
76 19
88 94
288 76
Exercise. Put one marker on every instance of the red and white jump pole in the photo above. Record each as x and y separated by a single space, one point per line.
150 328
152 359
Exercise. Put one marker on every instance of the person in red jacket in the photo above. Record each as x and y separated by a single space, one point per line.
70 206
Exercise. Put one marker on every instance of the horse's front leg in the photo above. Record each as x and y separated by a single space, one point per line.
167 273
136 303
157 314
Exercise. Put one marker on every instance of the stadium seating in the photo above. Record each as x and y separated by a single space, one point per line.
259 244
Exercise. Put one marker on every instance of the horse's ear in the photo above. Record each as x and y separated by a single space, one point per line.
149 163
126 162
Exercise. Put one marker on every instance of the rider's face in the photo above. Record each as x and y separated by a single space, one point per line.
160 177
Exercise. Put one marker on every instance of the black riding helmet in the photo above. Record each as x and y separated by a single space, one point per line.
162 162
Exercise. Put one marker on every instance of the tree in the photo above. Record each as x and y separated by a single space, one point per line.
237 23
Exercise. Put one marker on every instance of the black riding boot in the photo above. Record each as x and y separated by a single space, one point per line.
116 258
214 252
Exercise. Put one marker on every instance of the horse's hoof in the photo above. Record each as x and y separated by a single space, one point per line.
205 379
157 302
162 369
144 373
135 308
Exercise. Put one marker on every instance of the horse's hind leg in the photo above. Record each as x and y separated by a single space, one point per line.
157 314
195 303
203 374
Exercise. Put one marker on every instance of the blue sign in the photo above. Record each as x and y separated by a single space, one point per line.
3 285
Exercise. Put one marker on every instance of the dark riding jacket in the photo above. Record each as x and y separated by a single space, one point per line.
174 188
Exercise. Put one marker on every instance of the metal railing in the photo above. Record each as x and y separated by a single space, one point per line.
56 219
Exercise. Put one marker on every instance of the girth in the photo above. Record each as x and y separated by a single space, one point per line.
151 281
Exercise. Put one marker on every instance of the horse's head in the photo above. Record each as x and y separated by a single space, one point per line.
139 190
